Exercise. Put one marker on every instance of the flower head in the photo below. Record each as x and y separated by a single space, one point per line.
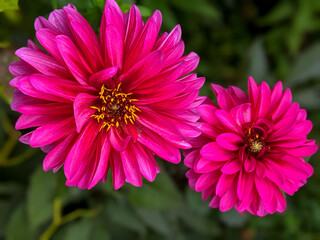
112 102
251 149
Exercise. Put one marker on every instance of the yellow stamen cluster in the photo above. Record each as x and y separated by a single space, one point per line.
115 109
255 141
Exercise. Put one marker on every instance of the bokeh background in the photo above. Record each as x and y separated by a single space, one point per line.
270 40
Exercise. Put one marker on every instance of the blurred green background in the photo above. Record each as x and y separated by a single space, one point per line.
270 40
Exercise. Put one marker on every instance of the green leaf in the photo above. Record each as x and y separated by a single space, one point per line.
160 194
282 11
232 218
121 214
8 5
308 98
258 63
40 197
306 67
79 230
18 228
155 220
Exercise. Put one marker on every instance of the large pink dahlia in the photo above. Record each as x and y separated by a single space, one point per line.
251 149
112 102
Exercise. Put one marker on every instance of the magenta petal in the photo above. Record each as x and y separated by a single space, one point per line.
103 76
130 167
245 184
42 62
224 183
50 133
207 112
72 58
118 177
205 166
283 105
214 152
206 180
229 141
242 113
231 167
229 199
118 140
114 44
227 121
147 164
250 164
82 109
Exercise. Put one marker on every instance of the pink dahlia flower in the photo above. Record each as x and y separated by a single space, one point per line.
112 102
251 149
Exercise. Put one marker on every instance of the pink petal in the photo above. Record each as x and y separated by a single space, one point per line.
118 177
131 167
224 183
229 199
114 45
227 121
229 141
42 62
204 165
242 113
82 109
214 152
147 164
245 184
50 133
118 140
283 105
250 164
206 180
232 167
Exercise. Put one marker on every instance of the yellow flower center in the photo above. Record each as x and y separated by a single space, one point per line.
115 108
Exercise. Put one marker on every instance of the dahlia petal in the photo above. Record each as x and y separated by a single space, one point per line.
103 162
260 169
305 150
263 101
77 160
205 166
21 68
112 15
133 27
242 113
82 110
227 121
42 62
145 42
26 138
130 167
192 177
41 22
60 88
216 89
229 141
55 158
50 133
250 164
114 44
190 61
239 94
214 152
146 162
29 121
281 200
103 76
45 109
73 59
85 36
118 177
171 39
231 167
190 159
264 188
224 183
172 56
297 168
207 112
302 128
283 105
209 130
206 180
118 141
225 101
229 199
159 146
58 18
276 94
34 46
47 39
147 67
245 184
164 128
215 201
274 171
253 91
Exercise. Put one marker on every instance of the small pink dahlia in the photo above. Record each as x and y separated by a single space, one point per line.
251 149
112 102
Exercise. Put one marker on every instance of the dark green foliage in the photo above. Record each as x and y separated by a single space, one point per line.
269 40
